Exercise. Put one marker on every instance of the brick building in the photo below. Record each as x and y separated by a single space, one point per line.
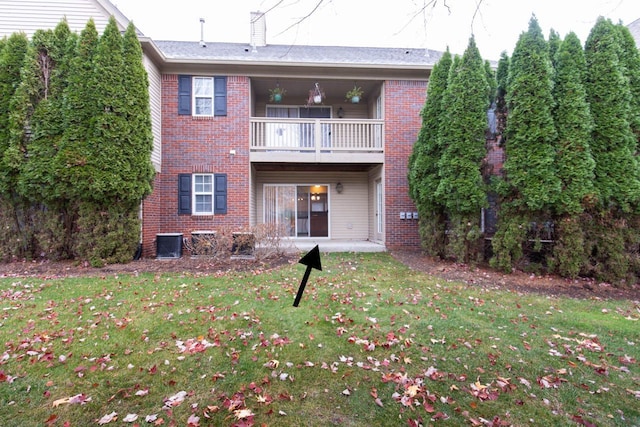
230 155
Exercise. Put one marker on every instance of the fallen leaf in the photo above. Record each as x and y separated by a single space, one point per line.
175 400
243 413
142 392
77 399
108 418
130 418
51 420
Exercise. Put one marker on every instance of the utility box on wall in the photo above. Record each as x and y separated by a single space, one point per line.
169 245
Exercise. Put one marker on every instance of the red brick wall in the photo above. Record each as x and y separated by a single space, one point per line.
191 145
203 145
403 102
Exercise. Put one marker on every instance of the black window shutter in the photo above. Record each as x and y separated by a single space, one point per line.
220 96
184 95
184 194
220 194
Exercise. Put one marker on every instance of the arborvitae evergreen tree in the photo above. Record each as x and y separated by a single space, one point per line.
76 143
45 75
423 163
79 107
109 122
574 162
617 177
139 174
531 185
574 124
554 46
461 188
12 56
11 60
119 148
491 80
502 75
44 78
630 60
24 126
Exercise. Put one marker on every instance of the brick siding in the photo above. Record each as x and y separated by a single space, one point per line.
403 102
197 144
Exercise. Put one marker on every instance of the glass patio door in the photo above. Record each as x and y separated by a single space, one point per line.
301 210
280 207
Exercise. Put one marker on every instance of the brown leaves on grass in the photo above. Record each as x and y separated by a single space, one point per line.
382 359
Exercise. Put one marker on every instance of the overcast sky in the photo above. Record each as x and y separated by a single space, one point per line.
385 23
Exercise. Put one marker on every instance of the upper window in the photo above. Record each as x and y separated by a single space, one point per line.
203 96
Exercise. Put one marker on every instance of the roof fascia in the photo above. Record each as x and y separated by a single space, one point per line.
269 69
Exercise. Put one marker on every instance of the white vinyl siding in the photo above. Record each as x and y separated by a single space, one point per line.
375 174
155 95
349 213
31 15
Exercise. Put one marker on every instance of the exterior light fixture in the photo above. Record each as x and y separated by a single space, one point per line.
339 187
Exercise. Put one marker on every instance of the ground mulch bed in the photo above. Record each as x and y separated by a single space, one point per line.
517 281
446 271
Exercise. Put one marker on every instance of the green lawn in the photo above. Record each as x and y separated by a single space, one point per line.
371 344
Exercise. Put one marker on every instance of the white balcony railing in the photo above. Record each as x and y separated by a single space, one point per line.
322 137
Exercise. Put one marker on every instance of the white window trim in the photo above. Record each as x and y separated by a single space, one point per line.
194 96
195 194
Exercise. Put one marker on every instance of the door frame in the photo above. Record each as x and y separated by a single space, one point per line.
378 203
296 225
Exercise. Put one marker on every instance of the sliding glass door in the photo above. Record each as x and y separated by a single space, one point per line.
301 210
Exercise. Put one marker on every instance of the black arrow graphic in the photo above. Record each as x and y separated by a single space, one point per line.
311 260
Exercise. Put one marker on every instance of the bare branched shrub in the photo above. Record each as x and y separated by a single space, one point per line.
272 240
262 241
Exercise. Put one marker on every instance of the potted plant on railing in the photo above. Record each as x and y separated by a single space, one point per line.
276 94
354 94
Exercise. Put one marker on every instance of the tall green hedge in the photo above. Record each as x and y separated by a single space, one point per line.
461 187
568 119
575 165
612 242
530 187
423 163
76 151
617 177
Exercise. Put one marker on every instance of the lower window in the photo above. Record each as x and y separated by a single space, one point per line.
202 193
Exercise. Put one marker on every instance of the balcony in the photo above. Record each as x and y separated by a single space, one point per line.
297 140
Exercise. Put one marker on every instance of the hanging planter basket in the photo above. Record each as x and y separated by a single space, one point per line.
316 95
354 95
276 94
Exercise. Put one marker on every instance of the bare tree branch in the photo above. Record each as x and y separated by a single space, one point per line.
304 18
475 12
253 21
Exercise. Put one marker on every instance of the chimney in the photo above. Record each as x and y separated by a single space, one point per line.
258 36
